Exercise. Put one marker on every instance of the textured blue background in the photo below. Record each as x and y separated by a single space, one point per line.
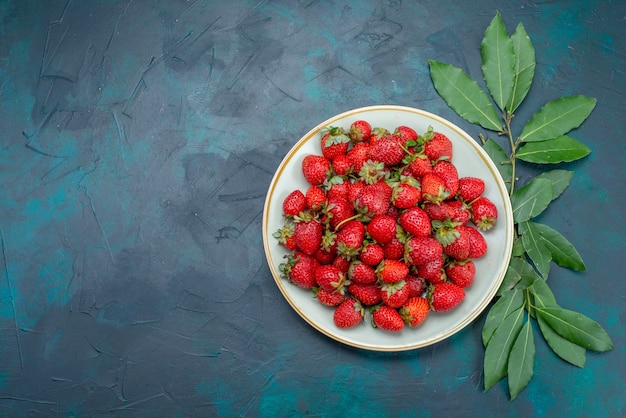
137 142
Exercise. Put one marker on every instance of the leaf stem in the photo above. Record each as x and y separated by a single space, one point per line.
507 120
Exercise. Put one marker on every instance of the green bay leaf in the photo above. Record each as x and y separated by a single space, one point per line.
500 159
524 67
560 180
567 350
577 328
552 151
521 360
499 347
497 61
532 199
464 95
542 294
561 250
557 118
519 274
507 303
535 248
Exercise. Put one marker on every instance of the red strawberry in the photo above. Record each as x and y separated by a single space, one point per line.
416 285
300 270
329 277
354 189
338 188
338 211
459 211
374 199
387 318
388 150
484 213
360 131
325 256
372 254
394 294
392 271
449 174
415 221
372 171
361 273
294 203
308 236
341 165
420 165
334 142
461 273
438 211
327 297
406 133
315 198
445 296
382 228
358 155
367 294
471 188
437 146
456 243
350 239
394 249
378 133
342 263
433 188
405 196
349 313
432 271
285 236
315 169
478 244
415 311
420 250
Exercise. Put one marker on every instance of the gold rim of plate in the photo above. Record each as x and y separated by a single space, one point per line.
342 336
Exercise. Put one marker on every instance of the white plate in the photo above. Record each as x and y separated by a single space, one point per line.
469 158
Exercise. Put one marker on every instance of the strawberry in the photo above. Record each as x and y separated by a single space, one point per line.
354 189
338 211
341 165
394 249
392 271
387 318
372 172
445 296
358 155
374 199
342 263
294 203
349 313
438 211
315 169
372 254
420 164
367 294
388 150
350 239
415 221
484 213
437 146
470 188
325 256
315 198
327 297
461 273
378 133
455 241
394 294
416 285
285 236
382 228
449 174
300 270
334 142
433 188
308 236
361 273
459 211
338 188
406 133
405 196
415 311
329 277
420 250
478 244
360 131
432 271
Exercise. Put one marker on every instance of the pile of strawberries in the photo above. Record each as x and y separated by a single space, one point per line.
385 225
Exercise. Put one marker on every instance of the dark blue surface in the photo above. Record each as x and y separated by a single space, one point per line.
137 142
